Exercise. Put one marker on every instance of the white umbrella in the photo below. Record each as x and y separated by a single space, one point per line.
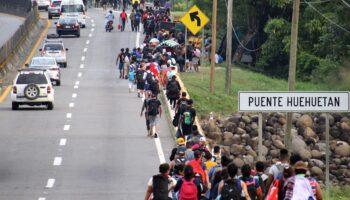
197 52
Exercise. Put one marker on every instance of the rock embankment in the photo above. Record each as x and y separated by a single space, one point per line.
238 137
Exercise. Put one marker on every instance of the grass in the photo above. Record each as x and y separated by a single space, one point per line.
339 193
197 85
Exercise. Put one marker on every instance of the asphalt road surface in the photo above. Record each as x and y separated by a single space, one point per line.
93 145
9 25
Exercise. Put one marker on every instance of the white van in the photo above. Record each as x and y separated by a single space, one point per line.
74 8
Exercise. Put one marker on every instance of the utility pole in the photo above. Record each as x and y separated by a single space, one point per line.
228 78
213 47
292 69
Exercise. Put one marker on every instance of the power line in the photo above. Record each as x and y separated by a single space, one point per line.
331 21
239 41
345 3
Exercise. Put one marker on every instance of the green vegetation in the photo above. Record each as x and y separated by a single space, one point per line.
340 193
197 85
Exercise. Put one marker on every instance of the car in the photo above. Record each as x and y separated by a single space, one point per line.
48 64
54 9
43 4
55 48
68 26
74 8
32 87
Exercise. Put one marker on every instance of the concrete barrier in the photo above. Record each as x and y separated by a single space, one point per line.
16 7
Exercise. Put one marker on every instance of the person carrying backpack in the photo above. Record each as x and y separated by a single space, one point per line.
131 76
137 21
232 188
301 187
140 83
154 112
251 182
124 19
260 167
173 89
199 171
121 60
187 117
148 96
160 186
148 77
188 187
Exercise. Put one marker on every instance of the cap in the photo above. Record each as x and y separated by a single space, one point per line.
180 141
300 165
202 139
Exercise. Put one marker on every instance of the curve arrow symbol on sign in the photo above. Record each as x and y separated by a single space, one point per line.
194 16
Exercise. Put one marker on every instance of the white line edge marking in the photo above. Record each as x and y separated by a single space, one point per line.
92 21
82 58
50 183
74 95
66 127
159 150
85 49
76 87
92 30
42 198
93 25
69 115
87 41
57 161
81 66
63 142
77 82
71 105
80 74
90 35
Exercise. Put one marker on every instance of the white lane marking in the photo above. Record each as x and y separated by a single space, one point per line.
71 105
81 66
57 161
50 183
69 115
159 150
66 127
85 49
76 87
93 25
92 30
42 198
82 58
74 95
80 74
90 35
77 82
63 142
92 21
137 39
87 41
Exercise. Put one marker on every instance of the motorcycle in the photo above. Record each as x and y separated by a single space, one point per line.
109 26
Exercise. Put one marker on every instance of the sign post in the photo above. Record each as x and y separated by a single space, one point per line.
295 102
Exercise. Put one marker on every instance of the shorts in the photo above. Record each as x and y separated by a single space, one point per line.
121 66
186 129
195 61
153 120
140 85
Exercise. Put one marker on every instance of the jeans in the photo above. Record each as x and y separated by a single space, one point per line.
123 24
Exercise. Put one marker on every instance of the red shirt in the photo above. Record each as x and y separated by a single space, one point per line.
197 168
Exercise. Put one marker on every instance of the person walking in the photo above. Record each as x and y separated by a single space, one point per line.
132 20
148 96
121 60
278 167
140 83
252 183
154 113
173 89
131 76
124 19
137 21
188 187
187 117
160 186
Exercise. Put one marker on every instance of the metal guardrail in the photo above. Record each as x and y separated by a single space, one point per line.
7 49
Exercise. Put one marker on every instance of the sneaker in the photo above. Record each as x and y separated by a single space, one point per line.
155 135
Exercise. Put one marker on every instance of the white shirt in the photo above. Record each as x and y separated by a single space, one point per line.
171 185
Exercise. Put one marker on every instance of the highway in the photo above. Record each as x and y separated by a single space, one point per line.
93 145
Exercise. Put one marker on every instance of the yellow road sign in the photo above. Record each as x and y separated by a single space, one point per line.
194 20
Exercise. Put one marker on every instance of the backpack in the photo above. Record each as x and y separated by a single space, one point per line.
137 17
153 107
149 77
251 187
173 87
188 190
180 160
262 185
302 189
139 75
231 190
160 187
131 74
123 15
187 117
